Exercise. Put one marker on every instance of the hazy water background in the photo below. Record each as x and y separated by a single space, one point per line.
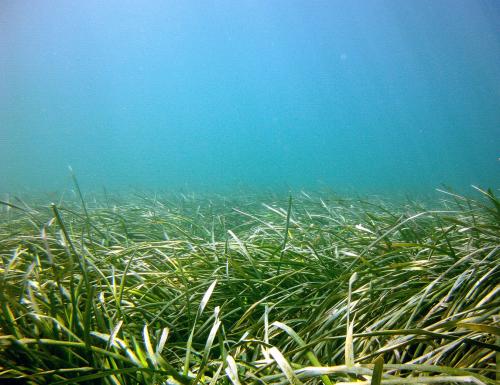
366 95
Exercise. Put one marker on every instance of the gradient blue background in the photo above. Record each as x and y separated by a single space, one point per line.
367 95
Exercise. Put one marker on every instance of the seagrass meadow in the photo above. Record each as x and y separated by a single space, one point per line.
309 288
240 214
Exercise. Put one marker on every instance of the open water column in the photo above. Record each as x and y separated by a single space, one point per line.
371 96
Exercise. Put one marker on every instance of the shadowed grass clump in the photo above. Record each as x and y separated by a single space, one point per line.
181 289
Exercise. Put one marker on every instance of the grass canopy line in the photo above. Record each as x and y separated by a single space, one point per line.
255 289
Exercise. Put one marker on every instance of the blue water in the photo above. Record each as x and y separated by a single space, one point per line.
363 95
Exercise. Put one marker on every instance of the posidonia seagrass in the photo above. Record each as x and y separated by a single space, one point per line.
311 288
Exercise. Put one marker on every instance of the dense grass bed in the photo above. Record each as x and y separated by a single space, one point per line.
185 289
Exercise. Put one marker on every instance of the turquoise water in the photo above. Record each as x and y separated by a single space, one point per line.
362 95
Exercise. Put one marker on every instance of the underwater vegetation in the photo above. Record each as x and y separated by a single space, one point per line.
249 289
